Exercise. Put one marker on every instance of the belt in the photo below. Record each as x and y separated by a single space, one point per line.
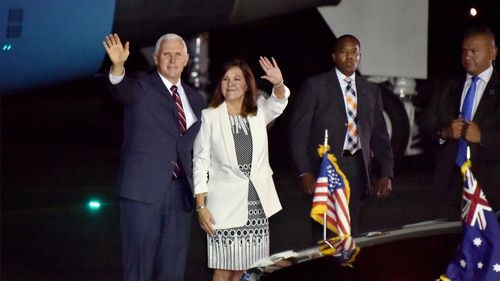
347 153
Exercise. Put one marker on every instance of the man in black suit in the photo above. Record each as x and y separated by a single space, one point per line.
351 109
161 120
445 125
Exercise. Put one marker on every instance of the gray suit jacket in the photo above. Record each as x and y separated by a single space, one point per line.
319 106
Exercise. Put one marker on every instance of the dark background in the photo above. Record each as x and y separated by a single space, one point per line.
60 146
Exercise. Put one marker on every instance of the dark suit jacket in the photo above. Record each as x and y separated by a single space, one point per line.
319 106
485 156
151 141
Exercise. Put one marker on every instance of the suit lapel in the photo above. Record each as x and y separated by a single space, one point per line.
489 95
227 135
361 91
166 98
160 87
196 107
338 99
254 129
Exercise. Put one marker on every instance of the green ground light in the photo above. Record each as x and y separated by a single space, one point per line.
94 205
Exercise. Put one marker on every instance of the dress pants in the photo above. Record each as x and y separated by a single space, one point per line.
353 167
156 236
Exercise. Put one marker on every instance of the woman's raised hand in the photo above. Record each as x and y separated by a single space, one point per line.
273 72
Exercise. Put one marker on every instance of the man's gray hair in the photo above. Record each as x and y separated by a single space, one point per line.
169 36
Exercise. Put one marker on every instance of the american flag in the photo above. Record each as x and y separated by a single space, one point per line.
343 248
478 257
331 195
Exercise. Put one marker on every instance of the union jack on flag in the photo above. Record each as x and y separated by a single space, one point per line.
478 257
475 203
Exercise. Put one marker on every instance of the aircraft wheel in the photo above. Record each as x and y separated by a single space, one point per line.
398 124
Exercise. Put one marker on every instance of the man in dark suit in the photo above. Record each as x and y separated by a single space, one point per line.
351 109
161 120
445 125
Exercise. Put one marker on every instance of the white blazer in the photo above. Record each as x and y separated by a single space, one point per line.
215 166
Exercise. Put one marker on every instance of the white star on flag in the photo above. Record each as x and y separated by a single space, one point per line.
496 267
478 257
478 241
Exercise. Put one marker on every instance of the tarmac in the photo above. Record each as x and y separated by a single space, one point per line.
60 148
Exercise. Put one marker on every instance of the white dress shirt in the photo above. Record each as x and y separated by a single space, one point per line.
343 86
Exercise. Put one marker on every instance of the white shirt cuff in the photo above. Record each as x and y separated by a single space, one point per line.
115 79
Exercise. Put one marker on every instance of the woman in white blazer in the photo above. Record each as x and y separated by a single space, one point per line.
233 185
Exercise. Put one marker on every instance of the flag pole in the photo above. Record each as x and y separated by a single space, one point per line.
325 143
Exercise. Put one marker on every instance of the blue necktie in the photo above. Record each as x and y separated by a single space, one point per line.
466 114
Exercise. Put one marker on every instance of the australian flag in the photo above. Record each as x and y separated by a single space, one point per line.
478 257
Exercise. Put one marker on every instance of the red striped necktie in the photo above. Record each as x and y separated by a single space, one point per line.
180 109
177 172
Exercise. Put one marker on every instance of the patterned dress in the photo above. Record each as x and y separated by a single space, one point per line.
239 247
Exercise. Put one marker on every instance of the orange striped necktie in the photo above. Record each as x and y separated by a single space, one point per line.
352 108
